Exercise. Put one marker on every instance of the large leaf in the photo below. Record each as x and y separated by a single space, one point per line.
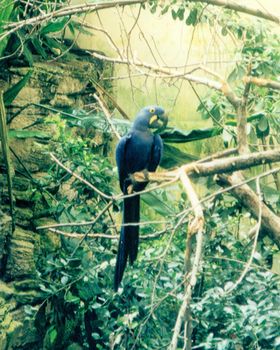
5 13
179 136
153 201
251 118
25 134
173 156
56 26
38 47
12 93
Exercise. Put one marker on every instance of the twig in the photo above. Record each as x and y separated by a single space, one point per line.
88 232
107 114
79 235
102 194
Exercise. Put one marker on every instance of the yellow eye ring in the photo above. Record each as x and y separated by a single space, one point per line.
152 110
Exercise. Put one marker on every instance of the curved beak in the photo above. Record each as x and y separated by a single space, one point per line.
158 122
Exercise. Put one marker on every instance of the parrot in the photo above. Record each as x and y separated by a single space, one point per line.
139 150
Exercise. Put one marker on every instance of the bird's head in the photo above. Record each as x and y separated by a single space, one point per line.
152 117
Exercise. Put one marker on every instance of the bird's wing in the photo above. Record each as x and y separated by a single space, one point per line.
121 159
156 153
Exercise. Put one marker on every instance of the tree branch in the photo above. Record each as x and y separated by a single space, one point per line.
248 198
63 12
271 84
227 4
195 227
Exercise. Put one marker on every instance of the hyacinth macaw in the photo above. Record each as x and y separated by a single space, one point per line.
139 150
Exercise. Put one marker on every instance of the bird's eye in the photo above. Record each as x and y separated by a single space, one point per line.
152 110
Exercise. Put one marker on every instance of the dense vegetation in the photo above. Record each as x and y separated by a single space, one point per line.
78 303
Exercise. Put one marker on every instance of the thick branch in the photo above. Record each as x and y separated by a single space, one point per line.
195 227
217 166
226 165
271 84
270 221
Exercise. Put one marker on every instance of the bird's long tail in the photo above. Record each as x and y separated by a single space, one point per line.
129 238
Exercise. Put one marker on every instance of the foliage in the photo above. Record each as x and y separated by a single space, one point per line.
45 39
80 305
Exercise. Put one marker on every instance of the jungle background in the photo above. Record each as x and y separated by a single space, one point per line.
73 75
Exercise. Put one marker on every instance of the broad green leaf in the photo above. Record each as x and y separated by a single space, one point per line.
28 55
173 156
5 13
192 18
55 46
25 134
53 27
13 91
179 136
153 201
39 47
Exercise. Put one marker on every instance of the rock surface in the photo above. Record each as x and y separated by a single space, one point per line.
52 87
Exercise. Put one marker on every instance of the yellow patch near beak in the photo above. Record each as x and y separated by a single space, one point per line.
153 119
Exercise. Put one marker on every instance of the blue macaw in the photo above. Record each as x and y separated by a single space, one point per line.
139 150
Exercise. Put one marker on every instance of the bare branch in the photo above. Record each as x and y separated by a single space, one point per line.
241 8
107 114
271 84
102 194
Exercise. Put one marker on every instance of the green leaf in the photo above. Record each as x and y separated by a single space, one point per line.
263 127
25 134
80 28
179 136
237 73
192 18
153 201
28 55
165 9
255 116
71 28
180 13
5 13
173 156
39 47
52 334
12 93
174 14
54 45
56 26
224 31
